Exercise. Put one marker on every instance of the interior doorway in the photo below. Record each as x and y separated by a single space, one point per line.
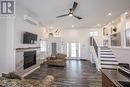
73 50
54 50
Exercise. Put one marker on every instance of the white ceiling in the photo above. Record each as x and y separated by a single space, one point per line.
93 12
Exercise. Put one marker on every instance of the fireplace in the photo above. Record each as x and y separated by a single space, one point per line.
29 59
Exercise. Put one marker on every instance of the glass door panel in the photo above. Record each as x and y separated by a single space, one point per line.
73 50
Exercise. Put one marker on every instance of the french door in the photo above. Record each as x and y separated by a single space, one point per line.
73 50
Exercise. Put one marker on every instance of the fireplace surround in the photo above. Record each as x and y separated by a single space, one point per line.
28 60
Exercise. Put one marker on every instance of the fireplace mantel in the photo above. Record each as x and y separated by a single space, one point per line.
27 48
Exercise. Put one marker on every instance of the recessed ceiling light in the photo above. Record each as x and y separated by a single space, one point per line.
109 14
70 15
98 25
72 26
126 13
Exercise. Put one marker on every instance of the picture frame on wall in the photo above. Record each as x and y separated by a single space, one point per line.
113 29
127 36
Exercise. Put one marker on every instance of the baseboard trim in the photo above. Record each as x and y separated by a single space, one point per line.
29 72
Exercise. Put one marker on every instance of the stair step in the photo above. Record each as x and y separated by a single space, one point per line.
105 51
107 57
109 67
109 60
109 63
104 48
106 54
109 52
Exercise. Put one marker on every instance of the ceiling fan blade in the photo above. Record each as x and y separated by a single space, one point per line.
74 6
62 15
77 17
56 31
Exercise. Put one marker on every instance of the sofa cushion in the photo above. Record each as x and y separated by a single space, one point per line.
51 58
60 55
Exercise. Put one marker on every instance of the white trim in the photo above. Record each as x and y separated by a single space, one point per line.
107 56
109 66
107 62
108 59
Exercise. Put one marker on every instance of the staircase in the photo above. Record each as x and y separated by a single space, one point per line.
107 59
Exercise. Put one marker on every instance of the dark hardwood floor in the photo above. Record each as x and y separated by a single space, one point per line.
76 74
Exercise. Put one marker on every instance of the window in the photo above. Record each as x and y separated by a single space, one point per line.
43 45
94 33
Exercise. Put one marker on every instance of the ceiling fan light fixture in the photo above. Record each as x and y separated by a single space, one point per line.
70 15
71 10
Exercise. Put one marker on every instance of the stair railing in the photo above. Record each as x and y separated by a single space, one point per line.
94 44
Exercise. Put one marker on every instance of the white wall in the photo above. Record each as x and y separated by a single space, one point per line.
22 26
122 55
7 61
79 36
11 37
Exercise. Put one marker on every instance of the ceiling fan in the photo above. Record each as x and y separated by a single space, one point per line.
71 12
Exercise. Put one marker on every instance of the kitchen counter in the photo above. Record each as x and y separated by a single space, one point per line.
114 76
